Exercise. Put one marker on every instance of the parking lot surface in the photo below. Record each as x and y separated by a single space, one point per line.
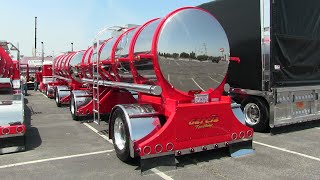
60 148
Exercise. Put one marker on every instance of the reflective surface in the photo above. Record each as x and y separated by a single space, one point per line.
119 133
144 41
65 65
143 44
122 51
74 62
60 63
106 51
87 56
193 51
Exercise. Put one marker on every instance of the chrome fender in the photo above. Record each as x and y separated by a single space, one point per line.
81 98
140 119
50 91
63 91
238 112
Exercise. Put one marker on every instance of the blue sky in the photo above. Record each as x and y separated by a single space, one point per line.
61 22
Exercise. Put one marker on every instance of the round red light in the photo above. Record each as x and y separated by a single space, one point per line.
5 131
19 129
158 148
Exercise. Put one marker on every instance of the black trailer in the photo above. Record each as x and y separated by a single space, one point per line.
278 42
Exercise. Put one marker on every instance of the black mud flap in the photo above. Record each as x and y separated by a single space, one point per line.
161 163
241 148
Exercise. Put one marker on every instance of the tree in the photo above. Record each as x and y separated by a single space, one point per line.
184 55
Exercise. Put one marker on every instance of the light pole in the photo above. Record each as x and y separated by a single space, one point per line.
42 53
72 46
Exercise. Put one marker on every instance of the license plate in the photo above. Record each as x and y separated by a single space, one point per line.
201 98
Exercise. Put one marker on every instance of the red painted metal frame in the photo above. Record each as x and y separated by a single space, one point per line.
137 79
6 64
186 125
109 97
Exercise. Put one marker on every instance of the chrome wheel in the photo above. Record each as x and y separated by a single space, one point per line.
57 98
72 109
119 133
252 114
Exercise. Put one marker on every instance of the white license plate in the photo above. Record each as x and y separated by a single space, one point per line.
201 98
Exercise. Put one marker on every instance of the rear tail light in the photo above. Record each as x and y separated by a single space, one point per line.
20 129
16 91
5 131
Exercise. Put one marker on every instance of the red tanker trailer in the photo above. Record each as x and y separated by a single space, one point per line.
12 128
63 81
180 107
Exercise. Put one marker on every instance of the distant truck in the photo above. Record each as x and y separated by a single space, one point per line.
46 77
278 43
12 122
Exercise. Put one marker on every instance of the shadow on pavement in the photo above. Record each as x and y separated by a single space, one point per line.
200 157
33 139
188 159
295 127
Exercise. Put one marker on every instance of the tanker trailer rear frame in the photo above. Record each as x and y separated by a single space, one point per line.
167 119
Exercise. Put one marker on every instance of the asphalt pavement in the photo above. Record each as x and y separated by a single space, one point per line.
60 148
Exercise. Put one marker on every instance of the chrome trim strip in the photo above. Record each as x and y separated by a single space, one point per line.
300 88
11 135
62 78
144 115
197 149
150 89
294 120
12 149
250 92
265 15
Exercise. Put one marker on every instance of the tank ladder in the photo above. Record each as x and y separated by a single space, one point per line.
97 43
95 85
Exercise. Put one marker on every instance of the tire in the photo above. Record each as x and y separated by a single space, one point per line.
47 92
73 109
25 142
256 114
120 135
57 98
